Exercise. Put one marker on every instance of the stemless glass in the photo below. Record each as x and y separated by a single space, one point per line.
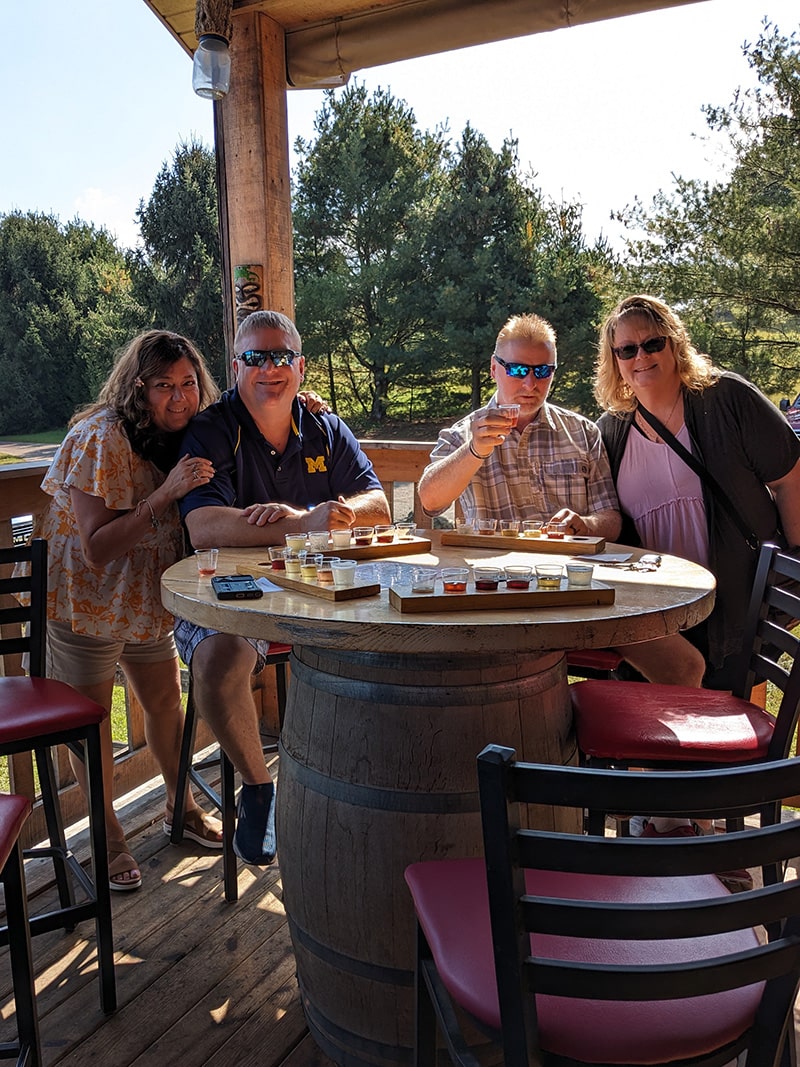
454 579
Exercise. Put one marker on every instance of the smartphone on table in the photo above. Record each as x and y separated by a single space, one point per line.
236 587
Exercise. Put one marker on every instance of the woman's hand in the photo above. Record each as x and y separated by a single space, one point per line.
187 474
315 404
262 514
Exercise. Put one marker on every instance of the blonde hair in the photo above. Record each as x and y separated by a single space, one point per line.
531 328
694 368
147 356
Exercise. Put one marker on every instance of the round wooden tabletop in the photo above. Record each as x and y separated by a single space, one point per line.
647 605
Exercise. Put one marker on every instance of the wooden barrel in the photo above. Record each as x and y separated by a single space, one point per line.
378 770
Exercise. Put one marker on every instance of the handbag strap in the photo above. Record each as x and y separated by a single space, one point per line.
704 474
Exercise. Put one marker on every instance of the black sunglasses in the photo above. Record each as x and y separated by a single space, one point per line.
281 357
522 370
650 346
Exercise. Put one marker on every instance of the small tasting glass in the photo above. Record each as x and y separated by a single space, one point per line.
340 538
325 569
206 561
344 572
405 530
296 541
518 576
454 579
423 580
511 411
532 528
549 575
293 562
509 527
318 540
580 573
363 535
277 558
308 567
487 578
384 535
557 530
487 526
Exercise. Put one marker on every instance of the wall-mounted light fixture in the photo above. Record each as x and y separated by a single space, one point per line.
211 70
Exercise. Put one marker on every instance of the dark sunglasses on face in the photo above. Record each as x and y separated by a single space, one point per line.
650 346
522 370
281 357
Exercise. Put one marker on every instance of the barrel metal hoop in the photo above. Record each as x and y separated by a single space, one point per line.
375 799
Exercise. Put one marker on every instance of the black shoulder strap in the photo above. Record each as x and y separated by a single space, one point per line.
703 474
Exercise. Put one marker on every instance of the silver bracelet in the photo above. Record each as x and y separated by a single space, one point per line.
477 455
154 522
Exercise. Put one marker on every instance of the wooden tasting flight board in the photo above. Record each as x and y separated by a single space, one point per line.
569 546
403 600
408 546
297 585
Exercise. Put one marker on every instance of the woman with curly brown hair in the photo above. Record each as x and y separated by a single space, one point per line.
113 527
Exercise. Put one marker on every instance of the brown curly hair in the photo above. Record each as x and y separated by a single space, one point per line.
148 355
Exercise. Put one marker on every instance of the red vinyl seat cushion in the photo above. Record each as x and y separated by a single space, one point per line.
14 810
35 707
451 901
636 721
277 649
595 659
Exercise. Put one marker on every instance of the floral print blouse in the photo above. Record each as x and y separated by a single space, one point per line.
121 601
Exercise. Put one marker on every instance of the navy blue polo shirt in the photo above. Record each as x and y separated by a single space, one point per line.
322 459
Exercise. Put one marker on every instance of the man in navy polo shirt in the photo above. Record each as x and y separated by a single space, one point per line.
278 469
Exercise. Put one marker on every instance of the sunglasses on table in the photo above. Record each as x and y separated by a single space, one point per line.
650 346
522 370
281 357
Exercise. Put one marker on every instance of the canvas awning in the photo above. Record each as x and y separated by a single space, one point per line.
328 40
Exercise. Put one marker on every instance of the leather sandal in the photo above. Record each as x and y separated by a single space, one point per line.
120 861
198 826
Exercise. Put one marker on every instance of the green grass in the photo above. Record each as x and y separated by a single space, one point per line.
46 437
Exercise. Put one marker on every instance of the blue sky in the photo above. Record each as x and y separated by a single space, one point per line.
603 113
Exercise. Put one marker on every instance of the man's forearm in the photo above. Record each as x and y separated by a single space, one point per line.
370 508
221 527
447 478
607 524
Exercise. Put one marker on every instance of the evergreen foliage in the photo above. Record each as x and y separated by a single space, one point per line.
728 253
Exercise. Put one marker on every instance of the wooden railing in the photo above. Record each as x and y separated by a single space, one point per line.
398 464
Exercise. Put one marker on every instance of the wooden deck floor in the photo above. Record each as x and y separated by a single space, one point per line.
200 982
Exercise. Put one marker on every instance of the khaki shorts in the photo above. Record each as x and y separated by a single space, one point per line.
82 660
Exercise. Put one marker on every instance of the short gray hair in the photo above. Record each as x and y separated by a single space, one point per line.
264 320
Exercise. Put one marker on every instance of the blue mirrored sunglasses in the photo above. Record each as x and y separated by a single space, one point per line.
281 357
522 370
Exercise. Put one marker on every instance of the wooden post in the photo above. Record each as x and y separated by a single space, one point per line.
255 150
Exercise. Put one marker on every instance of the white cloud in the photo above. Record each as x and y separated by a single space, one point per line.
112 212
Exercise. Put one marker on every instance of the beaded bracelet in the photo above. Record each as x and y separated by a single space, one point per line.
477 455
154 522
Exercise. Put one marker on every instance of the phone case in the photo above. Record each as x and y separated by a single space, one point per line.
236 587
